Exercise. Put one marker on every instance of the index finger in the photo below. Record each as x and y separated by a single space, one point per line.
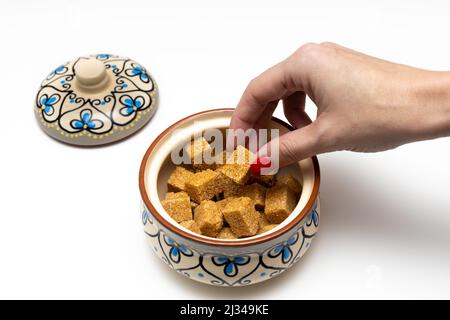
272 85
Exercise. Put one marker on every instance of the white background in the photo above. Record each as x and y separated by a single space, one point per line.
69 217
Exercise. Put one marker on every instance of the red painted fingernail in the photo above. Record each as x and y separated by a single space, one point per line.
261 162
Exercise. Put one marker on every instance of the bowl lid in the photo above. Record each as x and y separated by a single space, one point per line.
95 100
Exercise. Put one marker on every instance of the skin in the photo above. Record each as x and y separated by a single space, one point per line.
364 104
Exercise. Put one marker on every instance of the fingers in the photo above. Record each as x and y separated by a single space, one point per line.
285 81
278 82
271 86
294 109
297 145
264 119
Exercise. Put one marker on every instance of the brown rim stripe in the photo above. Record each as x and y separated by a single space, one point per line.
213 241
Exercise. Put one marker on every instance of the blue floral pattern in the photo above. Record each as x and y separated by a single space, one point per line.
177 250
231 264
131 105
103 56
313 217
211 266
138 71
47 103
145 217
283 250
59 70
85 122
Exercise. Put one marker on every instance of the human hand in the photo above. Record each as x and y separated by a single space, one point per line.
363 103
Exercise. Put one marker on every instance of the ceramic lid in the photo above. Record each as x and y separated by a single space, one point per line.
95 100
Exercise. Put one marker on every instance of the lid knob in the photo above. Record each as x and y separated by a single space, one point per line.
90 73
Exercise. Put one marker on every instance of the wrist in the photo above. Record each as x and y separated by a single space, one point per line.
430 106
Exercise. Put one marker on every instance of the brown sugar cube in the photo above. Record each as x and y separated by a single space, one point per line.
221 158
280 202
262 220
222 203
198 150
178 206
175 195
226 233
255 191
208 218
237 167
242 217
290 182
191 225
229 186
232 189
178 178
237 173
241 155
204 185
267 228
265 180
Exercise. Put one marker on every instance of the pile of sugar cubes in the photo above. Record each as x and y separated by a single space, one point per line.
225 200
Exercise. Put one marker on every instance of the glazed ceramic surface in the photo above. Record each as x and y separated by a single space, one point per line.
95 100
236 267
216 261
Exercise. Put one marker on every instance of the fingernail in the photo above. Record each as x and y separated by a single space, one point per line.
261 162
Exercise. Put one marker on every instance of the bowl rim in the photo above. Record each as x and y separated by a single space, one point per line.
213 241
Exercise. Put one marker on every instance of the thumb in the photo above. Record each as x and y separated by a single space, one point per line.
295 145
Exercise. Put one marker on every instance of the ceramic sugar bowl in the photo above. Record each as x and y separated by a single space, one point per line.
95 100
224 262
